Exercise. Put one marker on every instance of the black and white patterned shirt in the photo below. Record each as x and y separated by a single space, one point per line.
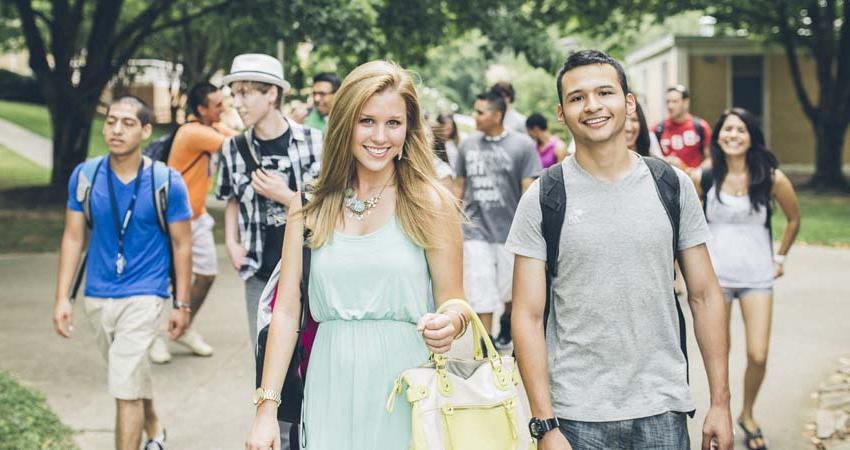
303 162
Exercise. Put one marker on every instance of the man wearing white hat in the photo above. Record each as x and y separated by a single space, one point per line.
262 170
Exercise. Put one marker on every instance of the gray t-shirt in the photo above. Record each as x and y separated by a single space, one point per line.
494 169
613 345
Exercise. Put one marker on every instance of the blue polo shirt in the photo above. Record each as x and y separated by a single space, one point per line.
146 247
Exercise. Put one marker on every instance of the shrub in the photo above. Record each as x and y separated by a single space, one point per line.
20 88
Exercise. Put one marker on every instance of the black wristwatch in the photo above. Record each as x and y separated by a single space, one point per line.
539 427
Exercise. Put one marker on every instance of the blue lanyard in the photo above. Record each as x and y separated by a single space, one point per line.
121 227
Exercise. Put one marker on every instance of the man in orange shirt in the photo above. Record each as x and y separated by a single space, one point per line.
193 147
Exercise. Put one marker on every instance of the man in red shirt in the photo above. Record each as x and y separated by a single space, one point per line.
685 139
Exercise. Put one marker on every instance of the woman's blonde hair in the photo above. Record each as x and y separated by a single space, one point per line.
423 206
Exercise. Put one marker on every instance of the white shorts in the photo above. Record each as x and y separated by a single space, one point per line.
124 329
204 260
487 275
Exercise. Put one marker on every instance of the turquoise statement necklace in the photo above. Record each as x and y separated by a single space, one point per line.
359 209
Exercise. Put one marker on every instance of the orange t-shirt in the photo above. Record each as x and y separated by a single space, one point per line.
191 143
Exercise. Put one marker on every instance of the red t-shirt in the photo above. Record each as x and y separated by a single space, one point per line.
682 140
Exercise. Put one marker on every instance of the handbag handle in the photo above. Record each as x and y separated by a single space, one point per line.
479 332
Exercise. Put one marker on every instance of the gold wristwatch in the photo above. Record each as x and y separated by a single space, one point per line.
261 395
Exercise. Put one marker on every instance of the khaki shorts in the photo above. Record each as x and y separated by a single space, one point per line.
487 275
204 261
124 329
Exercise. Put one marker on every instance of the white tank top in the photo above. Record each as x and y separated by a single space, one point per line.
740 246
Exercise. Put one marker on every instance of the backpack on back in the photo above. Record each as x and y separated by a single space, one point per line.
160 186
160 149
553 206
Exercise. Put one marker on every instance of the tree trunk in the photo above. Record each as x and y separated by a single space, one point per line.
829 143
71 123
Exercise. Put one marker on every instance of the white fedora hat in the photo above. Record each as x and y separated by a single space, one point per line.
257 67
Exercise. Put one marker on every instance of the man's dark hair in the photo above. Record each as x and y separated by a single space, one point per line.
328 77
496 101
586 58
198 96
143 112
505 89
680 88
536 120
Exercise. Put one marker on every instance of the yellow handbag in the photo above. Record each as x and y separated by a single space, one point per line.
466 404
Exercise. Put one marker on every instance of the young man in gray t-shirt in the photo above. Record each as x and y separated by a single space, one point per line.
611 373
494 168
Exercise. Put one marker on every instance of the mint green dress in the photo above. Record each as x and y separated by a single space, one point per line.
367 293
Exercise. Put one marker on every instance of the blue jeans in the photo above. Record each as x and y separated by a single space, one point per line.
667 431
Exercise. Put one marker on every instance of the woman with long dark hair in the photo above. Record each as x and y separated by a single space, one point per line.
737 194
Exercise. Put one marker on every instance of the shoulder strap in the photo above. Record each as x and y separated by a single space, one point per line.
306 253
161 184
706 181
85 183
241 142
668 189
659 129
553 206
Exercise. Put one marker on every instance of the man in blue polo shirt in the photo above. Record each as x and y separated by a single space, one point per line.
128 265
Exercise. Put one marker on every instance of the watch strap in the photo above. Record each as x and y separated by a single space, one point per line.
267 394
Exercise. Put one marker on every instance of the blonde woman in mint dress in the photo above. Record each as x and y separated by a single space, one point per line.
385 235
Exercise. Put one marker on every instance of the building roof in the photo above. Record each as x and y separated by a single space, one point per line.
727 45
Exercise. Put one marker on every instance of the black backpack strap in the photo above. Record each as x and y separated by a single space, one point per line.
669 190
553 206
706 181
241 142
659 130
306 253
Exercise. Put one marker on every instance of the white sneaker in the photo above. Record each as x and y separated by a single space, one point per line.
158 352
191 339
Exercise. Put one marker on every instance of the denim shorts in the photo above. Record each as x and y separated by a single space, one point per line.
730 294
667 431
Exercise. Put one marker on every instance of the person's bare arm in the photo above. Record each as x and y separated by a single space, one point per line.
560 151
696 177
73 239
445 263
710 327
526 183
283 330
529 303
783 192
235 252
181 247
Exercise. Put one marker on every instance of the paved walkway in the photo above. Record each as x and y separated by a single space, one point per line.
34 147
205 402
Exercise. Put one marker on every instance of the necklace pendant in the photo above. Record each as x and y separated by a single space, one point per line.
120 263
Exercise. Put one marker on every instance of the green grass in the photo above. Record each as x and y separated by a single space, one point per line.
18 171
825 219
26 422
36 118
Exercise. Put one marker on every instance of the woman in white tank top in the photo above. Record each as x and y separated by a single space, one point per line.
737 194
